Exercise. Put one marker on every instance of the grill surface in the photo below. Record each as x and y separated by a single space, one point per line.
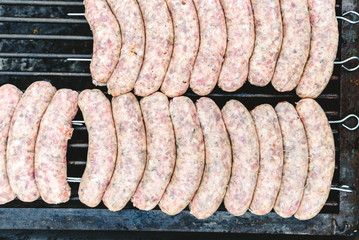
36 38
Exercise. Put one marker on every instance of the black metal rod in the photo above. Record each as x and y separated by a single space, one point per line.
43 55
44 3
45 37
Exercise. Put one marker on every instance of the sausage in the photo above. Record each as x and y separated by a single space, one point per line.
240 28
245 150
323 48
102 150
190 156
131 154
295 47
213 42
161 151
158 47
295 164
321 158
268 32
106 40
10 96
129 65
271 159
218 160
51 146
22 138
186 43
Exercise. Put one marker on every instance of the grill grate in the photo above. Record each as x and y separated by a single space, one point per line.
36 39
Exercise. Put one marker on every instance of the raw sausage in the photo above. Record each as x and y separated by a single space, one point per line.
161 151
51 146
295 163
22 139
158 47
131 154
271 159
268 31
240 28
190 156
321 158
218 160
10 96
212 46
101 156
129 65
186 42
295 47
245 150
323 48
106 40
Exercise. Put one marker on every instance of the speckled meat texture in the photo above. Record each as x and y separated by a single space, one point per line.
190 156
161 151
245 150
271 159
131 154
10 96
296 44
321 158
269 33
295 163
323 48
102 150
213 42
22 139
129 65
158 47
51 147
186 43
218 160
106 40
240 28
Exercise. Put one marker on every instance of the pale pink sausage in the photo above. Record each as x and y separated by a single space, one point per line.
323 48
269 34
51 147
295 47
106 40
158 47
212 46
217 170
190 156
102 149
10 96
240 29
22 139
131 154
271 159
245 150
161 151
295 164
129 65
321 158
186 43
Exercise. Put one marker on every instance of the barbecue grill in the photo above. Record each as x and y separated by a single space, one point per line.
39 41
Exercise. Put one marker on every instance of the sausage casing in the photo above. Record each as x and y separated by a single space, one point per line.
295 163
271 159
213 42
190 156
102 149
10 96
321 158
161 151
131 154
245 150
218 160
51 146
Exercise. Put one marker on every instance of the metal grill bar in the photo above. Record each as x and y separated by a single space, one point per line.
43 3
41 20
45 37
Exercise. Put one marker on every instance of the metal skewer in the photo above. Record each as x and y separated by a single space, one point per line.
347 60
346 118
348 20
